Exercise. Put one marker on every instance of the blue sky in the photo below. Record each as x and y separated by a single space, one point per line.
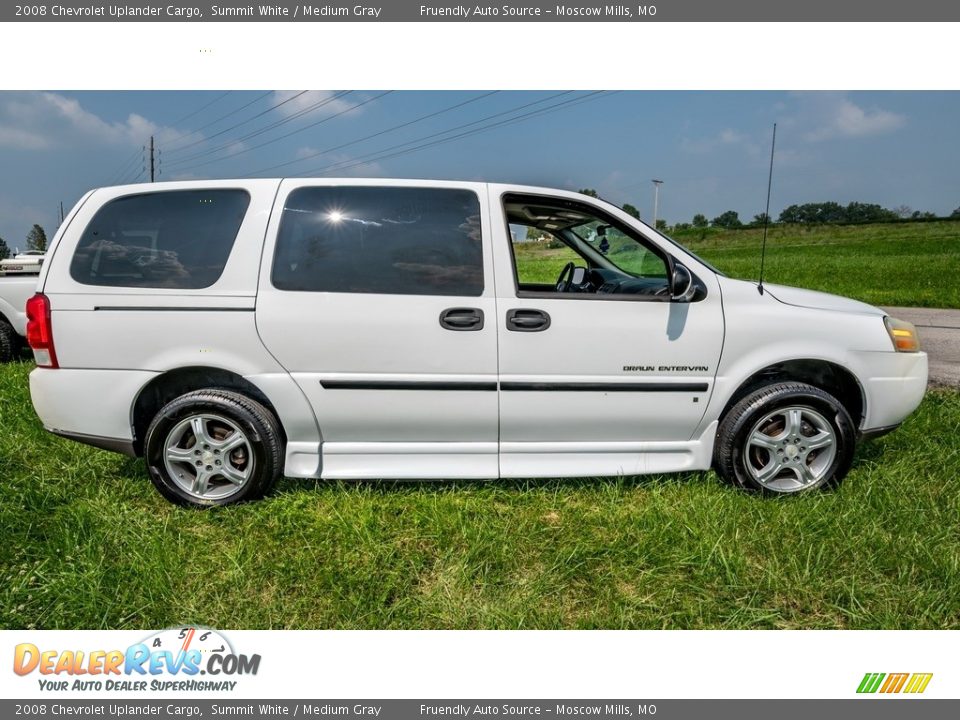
710 148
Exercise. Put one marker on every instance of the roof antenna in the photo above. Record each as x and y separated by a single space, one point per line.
766 214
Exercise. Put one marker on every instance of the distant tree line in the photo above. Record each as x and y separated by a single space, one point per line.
805 214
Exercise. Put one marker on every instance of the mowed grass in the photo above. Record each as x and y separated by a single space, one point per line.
912 264
88 543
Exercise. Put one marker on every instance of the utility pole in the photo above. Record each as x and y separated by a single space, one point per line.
151 159
656 200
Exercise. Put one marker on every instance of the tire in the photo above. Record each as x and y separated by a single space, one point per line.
9 342
785 438
213 447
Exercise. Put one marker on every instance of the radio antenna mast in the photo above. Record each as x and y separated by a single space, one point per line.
766 214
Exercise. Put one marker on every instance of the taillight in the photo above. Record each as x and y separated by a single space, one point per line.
40 331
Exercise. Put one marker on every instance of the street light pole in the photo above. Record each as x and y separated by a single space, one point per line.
656 200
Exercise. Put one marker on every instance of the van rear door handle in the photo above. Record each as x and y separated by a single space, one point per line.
462 318
527 320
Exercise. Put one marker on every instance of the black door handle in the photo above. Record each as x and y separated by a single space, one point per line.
525 320
462 318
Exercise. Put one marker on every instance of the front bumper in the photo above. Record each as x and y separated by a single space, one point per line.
894 384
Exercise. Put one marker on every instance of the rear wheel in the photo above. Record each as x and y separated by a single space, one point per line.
213 447
784 439
9 342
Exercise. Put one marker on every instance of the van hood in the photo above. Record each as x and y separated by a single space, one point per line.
819 300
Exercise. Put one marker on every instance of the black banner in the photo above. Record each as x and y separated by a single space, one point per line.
524 11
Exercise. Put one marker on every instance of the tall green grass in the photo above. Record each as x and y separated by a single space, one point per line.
88 543
912 264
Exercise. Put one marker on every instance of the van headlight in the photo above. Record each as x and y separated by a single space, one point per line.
902 334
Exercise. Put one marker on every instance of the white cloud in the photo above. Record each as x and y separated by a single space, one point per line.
22 138
827 115
45 120
298 103
727 137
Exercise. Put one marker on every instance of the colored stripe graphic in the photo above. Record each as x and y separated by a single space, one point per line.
918 682
870 682
894 683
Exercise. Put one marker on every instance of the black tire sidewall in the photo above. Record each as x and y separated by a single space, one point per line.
8 342
748 411
252 419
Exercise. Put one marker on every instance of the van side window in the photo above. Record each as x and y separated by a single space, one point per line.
393 240
178 239
566 248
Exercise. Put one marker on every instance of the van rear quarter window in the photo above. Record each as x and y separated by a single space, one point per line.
177 239
393 240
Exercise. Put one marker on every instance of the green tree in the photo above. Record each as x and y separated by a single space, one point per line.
631 210
760 220
832 212
700 221
661 224
955 213
4 249
728 219
36 238
867 212
589 191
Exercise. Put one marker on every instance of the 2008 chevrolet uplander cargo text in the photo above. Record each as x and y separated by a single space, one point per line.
234 331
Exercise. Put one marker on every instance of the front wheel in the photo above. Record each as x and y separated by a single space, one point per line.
213 447
785 438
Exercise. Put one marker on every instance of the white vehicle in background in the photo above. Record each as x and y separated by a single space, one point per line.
18 282
25 263
232 331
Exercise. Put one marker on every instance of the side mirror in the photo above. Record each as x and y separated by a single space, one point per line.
682 287
579 276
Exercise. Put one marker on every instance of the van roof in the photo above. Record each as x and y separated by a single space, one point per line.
226 182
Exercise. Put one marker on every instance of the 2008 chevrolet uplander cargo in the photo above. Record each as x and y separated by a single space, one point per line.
234 331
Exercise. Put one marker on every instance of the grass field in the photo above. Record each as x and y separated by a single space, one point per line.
912 264
87 542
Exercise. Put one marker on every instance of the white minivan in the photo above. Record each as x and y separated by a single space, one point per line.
234 331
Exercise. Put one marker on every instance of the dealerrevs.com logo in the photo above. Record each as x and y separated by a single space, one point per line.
173 659
888 683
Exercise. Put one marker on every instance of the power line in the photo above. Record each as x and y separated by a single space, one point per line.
492 126
244 122
125 166
294 132
260 131
200 109
374 157
217 120
459 127
377 134
503 123
136 174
